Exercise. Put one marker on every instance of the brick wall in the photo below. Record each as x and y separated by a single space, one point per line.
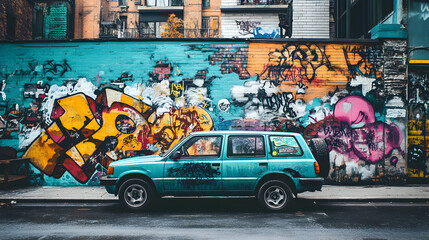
87 19
21 13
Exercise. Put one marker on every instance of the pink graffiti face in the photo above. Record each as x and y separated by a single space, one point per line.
393 138
355 132
368 142
354 110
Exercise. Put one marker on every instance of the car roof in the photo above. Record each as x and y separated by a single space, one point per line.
243 133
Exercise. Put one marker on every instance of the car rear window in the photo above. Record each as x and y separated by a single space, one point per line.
246 146
284 146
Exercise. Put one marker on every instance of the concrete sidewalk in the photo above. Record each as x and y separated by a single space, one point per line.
328 193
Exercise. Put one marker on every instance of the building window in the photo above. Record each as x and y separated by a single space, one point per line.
123 22
205 27
123 2
151 29
176 2
357 18
163 3
11 25
209 27
206 23
206 3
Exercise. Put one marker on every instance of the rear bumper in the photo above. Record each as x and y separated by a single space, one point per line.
311 184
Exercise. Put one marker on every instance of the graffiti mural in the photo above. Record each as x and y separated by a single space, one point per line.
418 125
356 140
75 113
254 28
247 27
330 91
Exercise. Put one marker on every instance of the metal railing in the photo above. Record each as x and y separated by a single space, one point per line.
115 33
201 33
136 33
264 2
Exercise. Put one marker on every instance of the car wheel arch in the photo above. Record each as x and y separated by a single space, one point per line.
277 176
137 176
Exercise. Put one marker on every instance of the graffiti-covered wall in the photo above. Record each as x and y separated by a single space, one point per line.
418 124
74 107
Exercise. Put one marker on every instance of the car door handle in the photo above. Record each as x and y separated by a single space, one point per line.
216 164
263 164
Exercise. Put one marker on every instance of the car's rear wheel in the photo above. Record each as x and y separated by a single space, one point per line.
320 150
135 194
275 195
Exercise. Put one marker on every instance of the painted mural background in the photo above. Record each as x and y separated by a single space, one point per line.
418 124
74 107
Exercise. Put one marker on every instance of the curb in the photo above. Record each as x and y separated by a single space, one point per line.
41 200
366 199
27 200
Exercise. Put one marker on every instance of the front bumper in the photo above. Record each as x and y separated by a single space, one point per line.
311 184
109 184
107 181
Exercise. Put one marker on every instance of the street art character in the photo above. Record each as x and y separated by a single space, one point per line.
87 132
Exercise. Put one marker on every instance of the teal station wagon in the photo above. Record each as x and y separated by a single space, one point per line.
272 166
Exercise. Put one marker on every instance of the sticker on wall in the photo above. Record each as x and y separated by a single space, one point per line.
223 105
396 113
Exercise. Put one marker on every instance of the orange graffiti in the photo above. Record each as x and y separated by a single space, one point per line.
88 132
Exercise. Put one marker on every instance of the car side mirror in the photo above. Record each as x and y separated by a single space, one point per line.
175 155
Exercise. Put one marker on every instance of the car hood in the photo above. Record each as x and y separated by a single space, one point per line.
136 160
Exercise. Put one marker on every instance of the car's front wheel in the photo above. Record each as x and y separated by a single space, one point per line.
135 194
275 195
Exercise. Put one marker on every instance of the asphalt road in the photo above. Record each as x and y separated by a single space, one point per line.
216 219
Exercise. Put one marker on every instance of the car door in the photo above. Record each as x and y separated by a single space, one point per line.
245 162
198 167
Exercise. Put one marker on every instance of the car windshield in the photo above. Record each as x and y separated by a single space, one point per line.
171 149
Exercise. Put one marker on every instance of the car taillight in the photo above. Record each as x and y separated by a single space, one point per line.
110 171
316 167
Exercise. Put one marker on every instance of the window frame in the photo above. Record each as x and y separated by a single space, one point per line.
229 153
292 155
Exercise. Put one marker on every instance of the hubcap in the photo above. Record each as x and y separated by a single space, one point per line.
135 195
275 197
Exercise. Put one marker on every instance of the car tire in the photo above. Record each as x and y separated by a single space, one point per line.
135 194
275 195
320 150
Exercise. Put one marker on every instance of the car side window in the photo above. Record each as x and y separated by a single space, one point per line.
284 146
246 146
203 146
